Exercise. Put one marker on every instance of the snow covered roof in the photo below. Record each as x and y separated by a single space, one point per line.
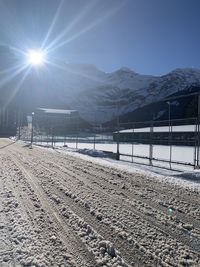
175 128
56 111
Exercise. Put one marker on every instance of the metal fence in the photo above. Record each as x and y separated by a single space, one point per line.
172 144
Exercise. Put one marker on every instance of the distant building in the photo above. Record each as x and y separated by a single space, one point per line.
160 135
56 112
56 121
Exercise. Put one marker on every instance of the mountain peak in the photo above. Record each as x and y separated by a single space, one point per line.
186 70
126 70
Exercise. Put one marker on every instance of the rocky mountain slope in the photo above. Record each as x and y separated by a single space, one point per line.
124 91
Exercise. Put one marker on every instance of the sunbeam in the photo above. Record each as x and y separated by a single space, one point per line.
13 48
11 76
83 13
84 30
73 72
52 24
16 89
11 69
17 50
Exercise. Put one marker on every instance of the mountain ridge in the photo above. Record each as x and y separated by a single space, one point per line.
130 92
97 95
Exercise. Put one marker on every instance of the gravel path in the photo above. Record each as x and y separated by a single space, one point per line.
60 210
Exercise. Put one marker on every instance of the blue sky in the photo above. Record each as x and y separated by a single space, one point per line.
148 36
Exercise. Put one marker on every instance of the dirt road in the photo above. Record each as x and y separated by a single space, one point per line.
59 210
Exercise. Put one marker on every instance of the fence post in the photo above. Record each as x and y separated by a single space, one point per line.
151 144
52 137
19 125
94 142
77 142
32 129
170 148
133 144
198 133
117 154
198 136
77 133
65 140
195 144
48 132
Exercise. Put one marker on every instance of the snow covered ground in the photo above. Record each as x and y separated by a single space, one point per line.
62 208
184 154
189 179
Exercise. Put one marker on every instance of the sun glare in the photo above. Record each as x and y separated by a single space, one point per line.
35 57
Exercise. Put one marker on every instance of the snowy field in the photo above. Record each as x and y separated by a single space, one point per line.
183 154
62 208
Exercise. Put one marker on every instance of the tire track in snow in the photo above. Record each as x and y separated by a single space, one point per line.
81 256
102 244
168 230
6 247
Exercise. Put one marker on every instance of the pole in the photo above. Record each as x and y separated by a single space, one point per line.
65 133
19 125
169 139
151 145
77 131
117 155
94 141
94 131
32 114
133 143
52 137
195 144
198 133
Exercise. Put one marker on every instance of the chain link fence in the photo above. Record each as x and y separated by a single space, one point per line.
172 144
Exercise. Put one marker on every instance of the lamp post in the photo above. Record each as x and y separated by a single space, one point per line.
32 115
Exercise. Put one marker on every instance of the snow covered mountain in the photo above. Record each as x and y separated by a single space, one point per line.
107 94
100 96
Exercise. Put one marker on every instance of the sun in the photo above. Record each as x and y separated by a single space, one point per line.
36 57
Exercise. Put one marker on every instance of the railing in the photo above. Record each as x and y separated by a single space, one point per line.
172 144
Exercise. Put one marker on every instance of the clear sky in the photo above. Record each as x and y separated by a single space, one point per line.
148 36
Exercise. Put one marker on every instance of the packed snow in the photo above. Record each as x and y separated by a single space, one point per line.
132 152
63 208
